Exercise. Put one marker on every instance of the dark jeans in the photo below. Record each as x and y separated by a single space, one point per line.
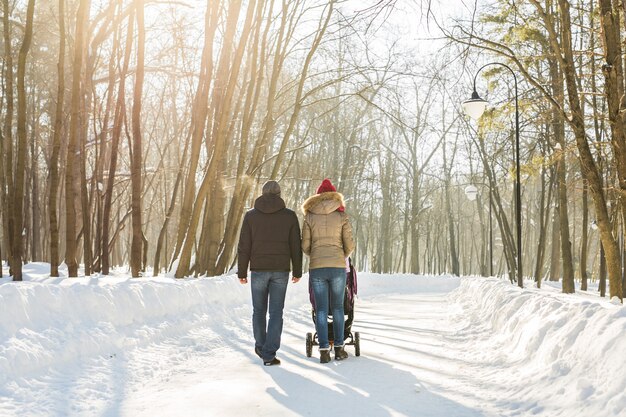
323 281
268 289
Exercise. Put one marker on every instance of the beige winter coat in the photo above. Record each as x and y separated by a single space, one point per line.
326 232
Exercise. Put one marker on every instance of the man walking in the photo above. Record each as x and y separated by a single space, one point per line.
270 243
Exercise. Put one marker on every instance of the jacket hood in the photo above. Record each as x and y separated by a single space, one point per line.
323 203
269 203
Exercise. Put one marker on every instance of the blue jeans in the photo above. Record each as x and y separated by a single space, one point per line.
323 281
268 289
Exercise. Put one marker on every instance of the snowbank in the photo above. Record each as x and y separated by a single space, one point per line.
566 349
46 322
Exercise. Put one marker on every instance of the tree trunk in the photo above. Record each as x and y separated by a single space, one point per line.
174 195
602 283
9 203
243 184
170 212
72 148
198 124
555 265
56 148
544 218
588 166
413 224
35 214
118 122
103 146
584 240
22 150
85 207
447 167
614 90
221 109
259 152
387 169
2 196
558 126
566 244
136 253
499 213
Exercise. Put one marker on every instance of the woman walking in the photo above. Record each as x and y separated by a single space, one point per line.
327 240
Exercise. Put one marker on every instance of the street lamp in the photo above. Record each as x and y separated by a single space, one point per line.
471 193
475 107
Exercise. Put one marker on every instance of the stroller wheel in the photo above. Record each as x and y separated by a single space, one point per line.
309 345
357 344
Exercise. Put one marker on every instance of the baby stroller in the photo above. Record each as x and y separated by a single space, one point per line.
348 310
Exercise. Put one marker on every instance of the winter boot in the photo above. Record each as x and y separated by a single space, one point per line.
272 362
324 356
340 353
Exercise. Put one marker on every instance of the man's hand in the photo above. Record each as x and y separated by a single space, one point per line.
243 280
295 280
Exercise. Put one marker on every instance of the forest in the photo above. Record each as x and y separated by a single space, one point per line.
135 134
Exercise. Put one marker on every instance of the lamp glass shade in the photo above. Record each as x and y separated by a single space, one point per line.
471 192
474 107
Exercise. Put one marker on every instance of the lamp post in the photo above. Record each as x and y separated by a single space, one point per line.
475 107
471 193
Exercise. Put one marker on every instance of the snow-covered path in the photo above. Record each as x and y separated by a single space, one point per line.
430 346
406 368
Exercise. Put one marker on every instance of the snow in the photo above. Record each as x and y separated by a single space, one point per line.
430 346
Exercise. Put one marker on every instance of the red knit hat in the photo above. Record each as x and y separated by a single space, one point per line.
325 187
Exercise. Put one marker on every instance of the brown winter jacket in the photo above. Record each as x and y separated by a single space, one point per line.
326 232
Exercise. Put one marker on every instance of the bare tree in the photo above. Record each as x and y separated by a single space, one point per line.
136 157
56 148
71 194
20 168
118 123
8 203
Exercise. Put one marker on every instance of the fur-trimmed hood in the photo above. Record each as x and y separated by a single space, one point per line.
323 203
